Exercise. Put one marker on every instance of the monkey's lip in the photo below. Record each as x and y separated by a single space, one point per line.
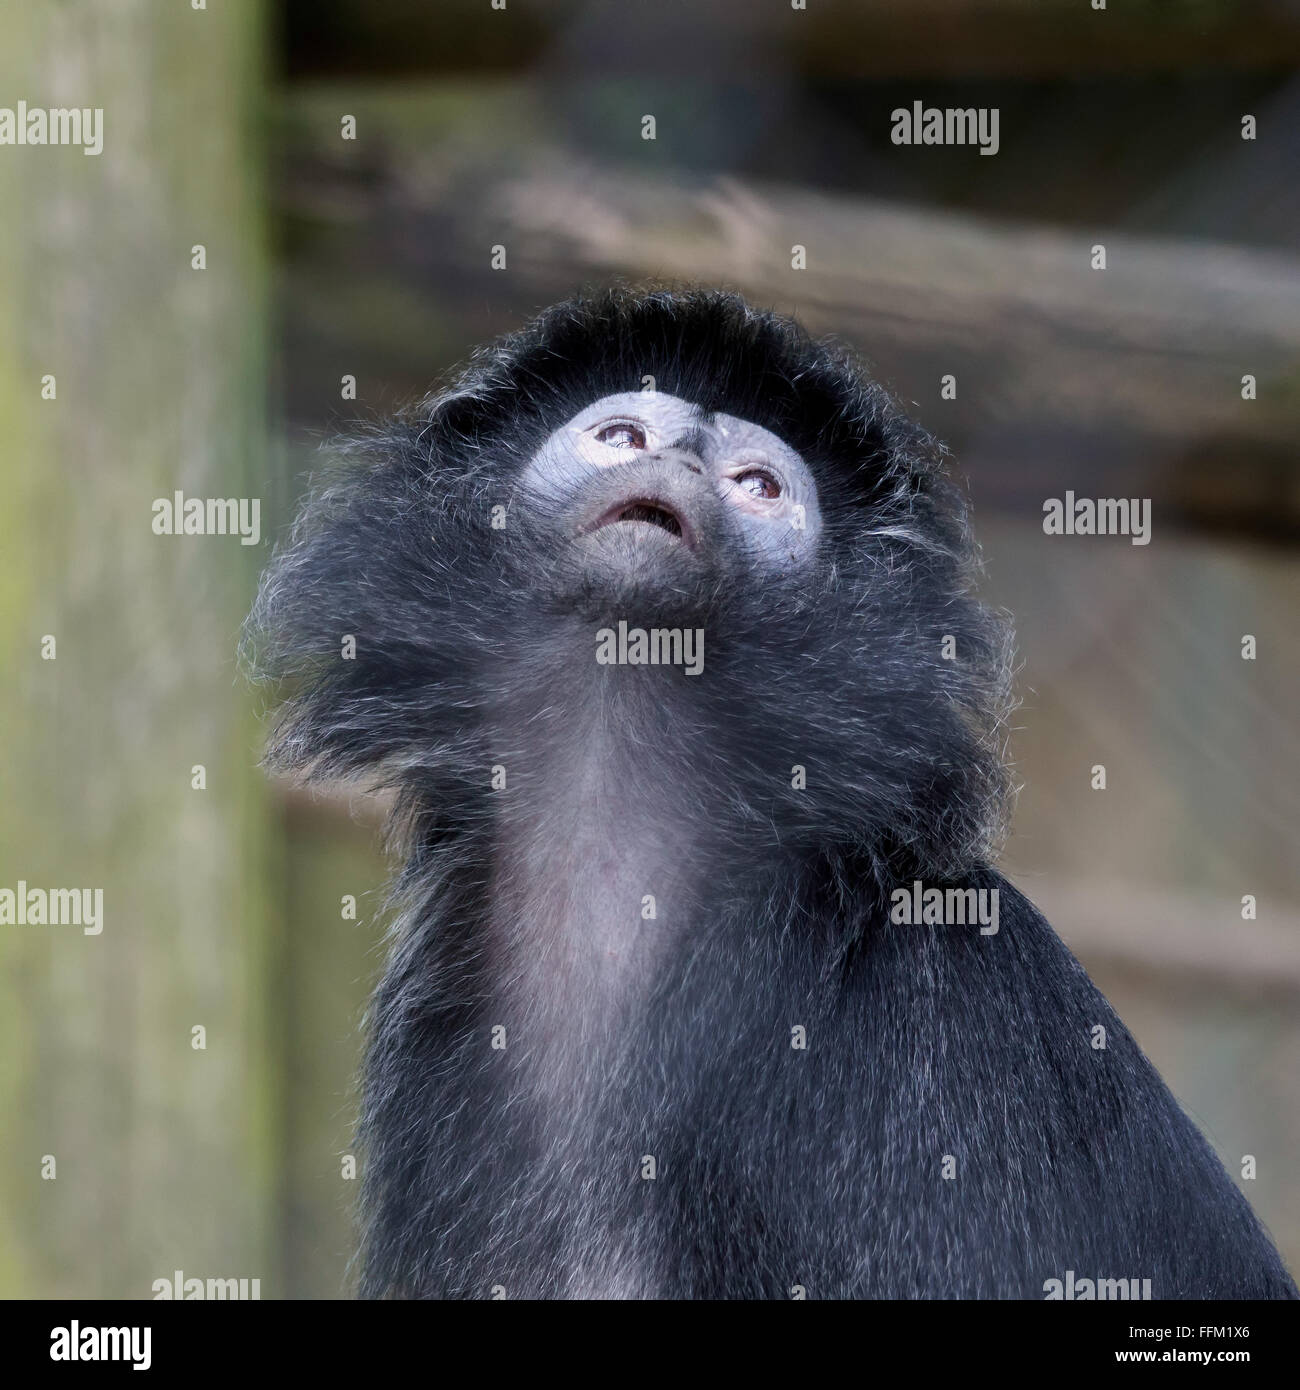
644 511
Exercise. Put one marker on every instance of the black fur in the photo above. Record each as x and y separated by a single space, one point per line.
821 1168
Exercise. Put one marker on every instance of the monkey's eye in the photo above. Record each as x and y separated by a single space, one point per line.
758 482
622 435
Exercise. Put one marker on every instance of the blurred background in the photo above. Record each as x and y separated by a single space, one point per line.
325 258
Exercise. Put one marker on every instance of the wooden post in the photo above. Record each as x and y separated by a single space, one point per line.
117 647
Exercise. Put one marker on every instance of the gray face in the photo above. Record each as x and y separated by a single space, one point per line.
651 470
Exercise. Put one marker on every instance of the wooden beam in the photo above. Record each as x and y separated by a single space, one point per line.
164 1152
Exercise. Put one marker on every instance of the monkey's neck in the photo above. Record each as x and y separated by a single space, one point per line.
594 874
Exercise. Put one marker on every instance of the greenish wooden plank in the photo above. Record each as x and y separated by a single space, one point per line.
166 1156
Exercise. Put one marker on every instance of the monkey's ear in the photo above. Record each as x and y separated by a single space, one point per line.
354 630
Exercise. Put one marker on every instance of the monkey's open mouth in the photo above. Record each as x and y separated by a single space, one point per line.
646 510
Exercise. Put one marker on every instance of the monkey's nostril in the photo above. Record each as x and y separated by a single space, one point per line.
688 458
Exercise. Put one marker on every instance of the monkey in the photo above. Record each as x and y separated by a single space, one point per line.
659 624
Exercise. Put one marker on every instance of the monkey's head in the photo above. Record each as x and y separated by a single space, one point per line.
653 462
651 492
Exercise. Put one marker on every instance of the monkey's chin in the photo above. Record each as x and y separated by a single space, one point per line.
636 549
638 571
